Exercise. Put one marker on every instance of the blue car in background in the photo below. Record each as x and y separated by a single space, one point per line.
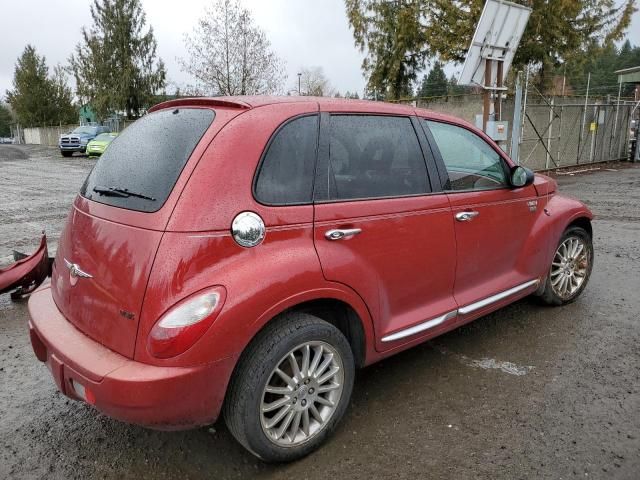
77 140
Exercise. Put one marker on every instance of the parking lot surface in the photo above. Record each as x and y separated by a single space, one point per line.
527 392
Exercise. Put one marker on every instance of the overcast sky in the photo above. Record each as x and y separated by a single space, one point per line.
302 32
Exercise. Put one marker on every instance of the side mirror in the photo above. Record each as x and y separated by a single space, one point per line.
521 177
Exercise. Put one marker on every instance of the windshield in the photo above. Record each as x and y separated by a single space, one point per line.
105 136
143 163
86 130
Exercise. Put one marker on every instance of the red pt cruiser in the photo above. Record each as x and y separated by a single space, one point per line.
243 256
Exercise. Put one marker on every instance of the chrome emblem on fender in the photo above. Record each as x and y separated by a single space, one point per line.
75 272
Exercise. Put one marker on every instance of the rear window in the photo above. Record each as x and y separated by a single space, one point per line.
143 163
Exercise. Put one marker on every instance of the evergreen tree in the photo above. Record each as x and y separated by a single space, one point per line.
63 97
455 89
116 66
602 63
392 35
5 121
435 83
558 30
400 35
36 98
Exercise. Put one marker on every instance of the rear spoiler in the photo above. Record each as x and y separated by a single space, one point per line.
201 102
27 273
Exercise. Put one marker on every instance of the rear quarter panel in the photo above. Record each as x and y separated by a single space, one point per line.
261 282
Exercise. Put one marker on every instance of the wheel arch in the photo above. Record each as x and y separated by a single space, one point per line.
583 222
344 310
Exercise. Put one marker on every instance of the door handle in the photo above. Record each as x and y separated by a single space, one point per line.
339 234
466 216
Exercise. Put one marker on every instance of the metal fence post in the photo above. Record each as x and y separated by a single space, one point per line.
516 127
564 84
524 113
546 163
584 118
593 132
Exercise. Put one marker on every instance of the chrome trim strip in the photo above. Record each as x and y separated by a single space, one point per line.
421 327
497 297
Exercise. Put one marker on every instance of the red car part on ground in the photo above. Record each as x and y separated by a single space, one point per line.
27 273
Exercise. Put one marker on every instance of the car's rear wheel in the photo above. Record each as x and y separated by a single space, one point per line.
291 388
570 268
66 154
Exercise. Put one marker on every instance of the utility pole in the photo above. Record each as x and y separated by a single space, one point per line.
299 77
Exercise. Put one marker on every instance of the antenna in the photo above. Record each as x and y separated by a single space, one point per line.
495 41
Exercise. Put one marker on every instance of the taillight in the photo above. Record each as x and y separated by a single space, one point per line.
180 327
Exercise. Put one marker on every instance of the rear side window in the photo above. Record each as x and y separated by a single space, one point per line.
143 163
287 170
374 157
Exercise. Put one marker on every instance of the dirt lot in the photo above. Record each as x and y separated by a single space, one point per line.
527 392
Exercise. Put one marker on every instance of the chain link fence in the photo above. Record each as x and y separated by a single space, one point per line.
561 132
555 132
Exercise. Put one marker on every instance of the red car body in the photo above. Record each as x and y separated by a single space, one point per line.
413 262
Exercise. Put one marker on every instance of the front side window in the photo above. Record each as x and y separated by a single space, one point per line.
374 156
471 163
286 173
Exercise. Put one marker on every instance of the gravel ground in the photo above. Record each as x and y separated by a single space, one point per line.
527 392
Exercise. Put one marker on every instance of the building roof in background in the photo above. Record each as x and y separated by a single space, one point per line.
629 75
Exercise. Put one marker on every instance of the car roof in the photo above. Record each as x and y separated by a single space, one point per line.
324 103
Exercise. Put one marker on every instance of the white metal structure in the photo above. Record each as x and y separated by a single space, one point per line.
496 38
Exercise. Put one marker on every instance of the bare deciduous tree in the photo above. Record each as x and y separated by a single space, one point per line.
229 55
314 82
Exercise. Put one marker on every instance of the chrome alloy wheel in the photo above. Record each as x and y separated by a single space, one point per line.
302 394
569 267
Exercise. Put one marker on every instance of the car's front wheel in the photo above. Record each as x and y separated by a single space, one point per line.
570 268
291 388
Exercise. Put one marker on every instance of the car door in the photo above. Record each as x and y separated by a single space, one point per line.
380 228
492 220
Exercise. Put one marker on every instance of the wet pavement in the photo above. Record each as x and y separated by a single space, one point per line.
527 392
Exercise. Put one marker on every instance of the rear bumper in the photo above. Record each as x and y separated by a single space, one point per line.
166 398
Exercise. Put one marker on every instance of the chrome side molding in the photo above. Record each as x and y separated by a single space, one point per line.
497 297
434 322
421 327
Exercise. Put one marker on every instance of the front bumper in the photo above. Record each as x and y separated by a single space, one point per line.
165 398
95 150
73 148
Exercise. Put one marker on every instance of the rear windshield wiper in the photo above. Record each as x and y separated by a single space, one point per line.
120 192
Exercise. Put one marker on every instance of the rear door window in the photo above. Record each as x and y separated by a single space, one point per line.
143 163
286 173
374 156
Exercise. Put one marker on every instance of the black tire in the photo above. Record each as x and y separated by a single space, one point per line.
548 294
66 154
245 393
